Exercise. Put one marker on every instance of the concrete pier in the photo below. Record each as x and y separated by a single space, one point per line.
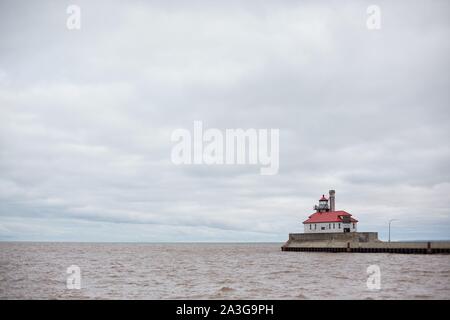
358 242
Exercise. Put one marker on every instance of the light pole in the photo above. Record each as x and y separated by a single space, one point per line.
390 228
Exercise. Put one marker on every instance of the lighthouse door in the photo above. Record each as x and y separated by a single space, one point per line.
346 229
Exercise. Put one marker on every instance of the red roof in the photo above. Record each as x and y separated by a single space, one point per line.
323 198
330 216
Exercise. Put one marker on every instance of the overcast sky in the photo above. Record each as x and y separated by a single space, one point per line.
86 117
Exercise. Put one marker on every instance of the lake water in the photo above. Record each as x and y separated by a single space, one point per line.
213 271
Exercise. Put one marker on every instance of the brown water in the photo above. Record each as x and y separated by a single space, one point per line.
213 271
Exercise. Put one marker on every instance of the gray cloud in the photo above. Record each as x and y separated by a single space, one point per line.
86 117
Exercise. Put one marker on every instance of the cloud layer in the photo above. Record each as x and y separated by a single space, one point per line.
86 118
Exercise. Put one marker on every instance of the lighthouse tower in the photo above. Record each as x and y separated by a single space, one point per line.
323 205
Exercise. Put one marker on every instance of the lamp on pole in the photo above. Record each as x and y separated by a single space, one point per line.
390 228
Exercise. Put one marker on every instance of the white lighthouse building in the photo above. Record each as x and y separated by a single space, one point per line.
327 220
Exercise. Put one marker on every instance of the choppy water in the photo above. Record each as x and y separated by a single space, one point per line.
213 271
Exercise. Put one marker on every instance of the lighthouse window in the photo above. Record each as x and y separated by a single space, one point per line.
334 226
310 227
315 226
353 226
329 226
339 225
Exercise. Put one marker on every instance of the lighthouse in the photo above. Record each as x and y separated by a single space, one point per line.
327 220
331 230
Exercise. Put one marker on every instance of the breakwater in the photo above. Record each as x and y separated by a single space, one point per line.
359 242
